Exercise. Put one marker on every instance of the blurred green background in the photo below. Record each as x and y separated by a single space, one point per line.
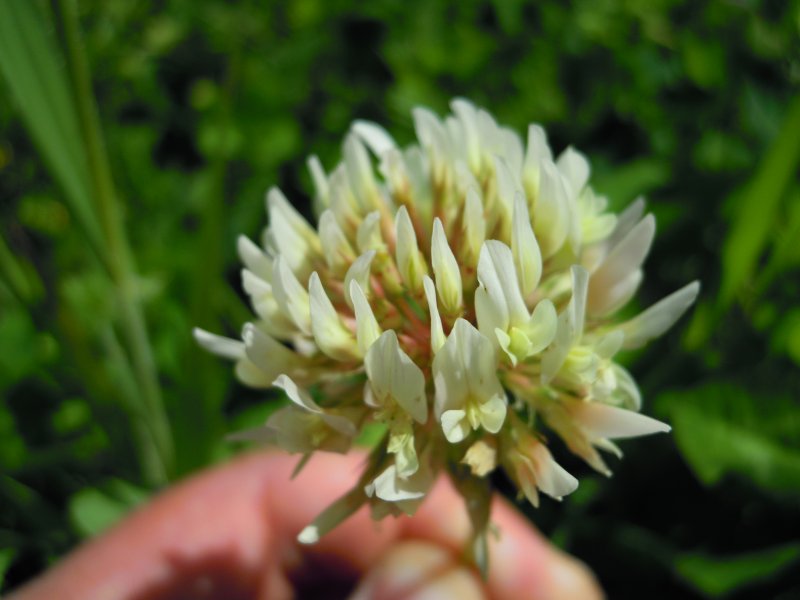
118 235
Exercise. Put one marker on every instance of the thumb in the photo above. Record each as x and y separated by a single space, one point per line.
417 570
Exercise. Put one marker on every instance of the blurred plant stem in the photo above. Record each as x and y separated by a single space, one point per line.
198 441
154 439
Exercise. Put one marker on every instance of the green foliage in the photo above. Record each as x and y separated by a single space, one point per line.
29 61
204 105
757 206
6 557
93 510
716 577
721 428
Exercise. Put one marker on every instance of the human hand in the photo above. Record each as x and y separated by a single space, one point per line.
230 533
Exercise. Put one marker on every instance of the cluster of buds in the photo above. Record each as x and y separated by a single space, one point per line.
460 298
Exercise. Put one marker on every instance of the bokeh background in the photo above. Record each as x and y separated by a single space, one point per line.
111 251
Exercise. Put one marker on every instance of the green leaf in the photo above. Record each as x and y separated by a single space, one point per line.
7 556
720 428
716 576
93 510
757 207
30 63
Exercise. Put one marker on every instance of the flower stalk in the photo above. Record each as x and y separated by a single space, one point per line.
151 425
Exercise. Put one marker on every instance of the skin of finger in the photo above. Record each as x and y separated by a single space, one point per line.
414 570
248 511
403 568
251 512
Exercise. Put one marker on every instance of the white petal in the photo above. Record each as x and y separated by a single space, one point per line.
437 331
254 286
527 256
294 238
394 375
625 258
388 486
368 236
410 262
626 220
374 136
320 180
297 395
542 327
292 298
455 425
342 202
497 273
507 190
551 478
270 356
465 368
266 307
493 413
604 421
513 150
401 444
659 317
575 168
449 378
358 272
251 375
330 334
254 258
446 270
554 357
627 389
609 299
474 223
580 286
338 252
468 116
367 328
219 345
551 210
570 326
430 132
538 150
360 173
491 312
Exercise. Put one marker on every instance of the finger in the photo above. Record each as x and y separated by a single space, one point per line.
414 570
222 530
229 526
522 563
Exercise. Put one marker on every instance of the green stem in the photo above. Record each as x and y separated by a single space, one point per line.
157 460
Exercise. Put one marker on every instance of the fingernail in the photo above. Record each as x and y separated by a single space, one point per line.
418 571
458 582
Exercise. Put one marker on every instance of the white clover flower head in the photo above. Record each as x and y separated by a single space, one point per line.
459 295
